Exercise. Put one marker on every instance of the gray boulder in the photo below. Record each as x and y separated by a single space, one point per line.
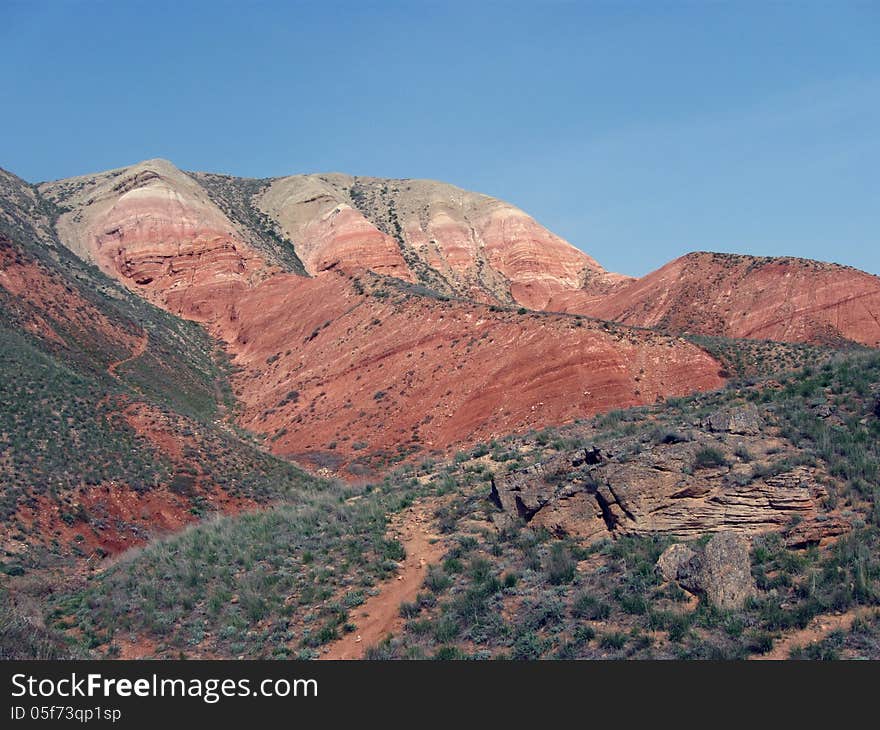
675 558
727 571
743 420
721 572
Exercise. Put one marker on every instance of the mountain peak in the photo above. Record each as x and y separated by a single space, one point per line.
450 239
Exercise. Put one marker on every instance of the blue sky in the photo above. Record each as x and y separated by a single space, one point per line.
638 131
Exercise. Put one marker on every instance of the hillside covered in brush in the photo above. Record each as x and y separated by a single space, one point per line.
795 473
236 410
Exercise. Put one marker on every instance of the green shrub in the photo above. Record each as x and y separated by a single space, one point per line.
561 566
615 640
708 457
586 606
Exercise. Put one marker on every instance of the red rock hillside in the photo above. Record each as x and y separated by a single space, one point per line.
385 372
156 230
343 365
453 240
785 299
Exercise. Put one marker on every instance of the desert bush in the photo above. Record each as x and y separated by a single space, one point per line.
560 565
708 457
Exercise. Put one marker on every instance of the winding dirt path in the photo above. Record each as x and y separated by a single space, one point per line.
139 349
816 630
379 615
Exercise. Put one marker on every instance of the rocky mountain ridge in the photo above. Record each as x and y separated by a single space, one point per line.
453 242
226 253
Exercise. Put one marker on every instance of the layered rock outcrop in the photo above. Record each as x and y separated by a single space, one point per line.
396 369
156 230
347 366
162 231
445 237
665 488
373 368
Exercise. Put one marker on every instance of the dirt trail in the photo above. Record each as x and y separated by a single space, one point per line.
816 630
379 615
139 349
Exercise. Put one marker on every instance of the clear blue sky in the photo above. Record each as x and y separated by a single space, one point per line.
638 131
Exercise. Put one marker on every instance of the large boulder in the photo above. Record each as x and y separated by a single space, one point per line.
721 571
743 420
727 571
674 559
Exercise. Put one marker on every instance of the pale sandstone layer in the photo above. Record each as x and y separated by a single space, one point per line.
156 230
661 489
458 241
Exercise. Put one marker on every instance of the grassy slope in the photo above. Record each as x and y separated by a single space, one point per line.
524 594
61 429
281 583
275 584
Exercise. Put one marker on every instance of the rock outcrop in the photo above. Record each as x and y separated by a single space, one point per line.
455 241
661 489
157 231
679 563
394 367
378 371
742 420
726 571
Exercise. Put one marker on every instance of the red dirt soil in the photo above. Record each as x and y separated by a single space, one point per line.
51 304
369 373
379 616
126 518
139 349
819 628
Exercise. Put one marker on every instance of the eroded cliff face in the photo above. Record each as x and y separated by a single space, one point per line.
785 299
349 367
156 230
366 371
192 241
328 228
471 245
453 240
